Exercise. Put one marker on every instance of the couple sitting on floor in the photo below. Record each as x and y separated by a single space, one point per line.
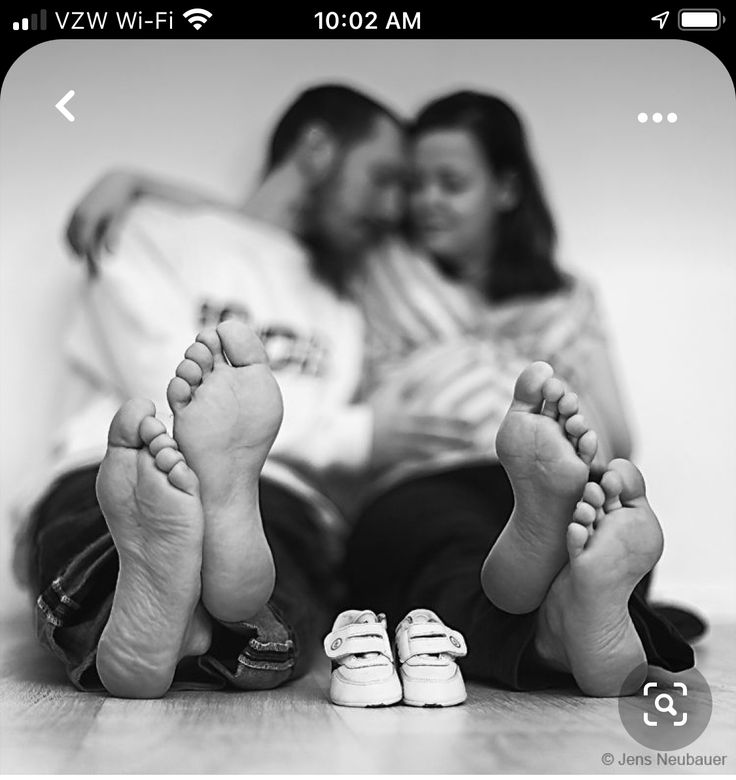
430 376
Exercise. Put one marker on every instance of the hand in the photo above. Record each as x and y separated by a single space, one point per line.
434 370
468 381
400 434
96 220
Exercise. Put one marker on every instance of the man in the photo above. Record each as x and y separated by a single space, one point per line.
123 616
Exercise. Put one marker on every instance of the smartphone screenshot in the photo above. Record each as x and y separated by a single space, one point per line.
367 389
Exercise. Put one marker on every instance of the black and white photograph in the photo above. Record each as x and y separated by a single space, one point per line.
366 407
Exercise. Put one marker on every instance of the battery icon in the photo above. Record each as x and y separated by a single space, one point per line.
699 19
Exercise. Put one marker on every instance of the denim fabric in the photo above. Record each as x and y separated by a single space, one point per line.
73 565
422 544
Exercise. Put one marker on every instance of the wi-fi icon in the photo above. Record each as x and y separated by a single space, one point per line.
197 17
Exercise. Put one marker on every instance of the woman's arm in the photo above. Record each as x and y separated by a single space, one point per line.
605 394
586 352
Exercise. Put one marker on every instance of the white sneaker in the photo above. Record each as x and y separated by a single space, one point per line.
427 649
363 669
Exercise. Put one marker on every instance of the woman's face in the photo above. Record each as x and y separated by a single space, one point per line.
455 199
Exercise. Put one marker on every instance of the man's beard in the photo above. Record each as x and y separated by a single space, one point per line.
333 266
334 263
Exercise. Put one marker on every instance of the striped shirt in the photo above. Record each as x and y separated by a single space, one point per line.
447 351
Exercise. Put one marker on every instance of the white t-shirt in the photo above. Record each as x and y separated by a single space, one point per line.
174 271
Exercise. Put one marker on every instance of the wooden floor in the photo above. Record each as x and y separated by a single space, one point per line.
48 727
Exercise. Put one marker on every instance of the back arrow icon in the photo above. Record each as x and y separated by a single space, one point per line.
61 105
661 18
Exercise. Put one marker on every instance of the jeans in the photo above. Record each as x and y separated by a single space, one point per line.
73 566
422 544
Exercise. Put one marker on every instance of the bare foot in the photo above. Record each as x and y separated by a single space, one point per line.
227 411
584 623
546 449
150 500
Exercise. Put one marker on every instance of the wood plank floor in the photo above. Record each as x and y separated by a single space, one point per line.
48 727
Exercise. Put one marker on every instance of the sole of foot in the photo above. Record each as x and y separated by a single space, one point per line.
150 499
584 624
227 411
546 449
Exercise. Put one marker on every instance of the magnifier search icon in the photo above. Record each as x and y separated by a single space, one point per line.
669 707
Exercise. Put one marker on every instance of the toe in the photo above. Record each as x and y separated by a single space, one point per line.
569 405
577 536
552 391
150 428
161 441
167 458
211 340
124 428
201 355
593 494
576 426
584 513
632 481
528 388
588 446
178 393
611 484
190 372
183 478
241 346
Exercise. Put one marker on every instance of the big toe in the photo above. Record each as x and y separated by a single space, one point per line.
632 481
124 428
528 388
240 344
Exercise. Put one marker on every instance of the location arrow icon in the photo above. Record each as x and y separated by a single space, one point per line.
661 18
61 105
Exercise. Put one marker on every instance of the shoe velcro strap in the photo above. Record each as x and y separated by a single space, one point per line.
430 639
357 638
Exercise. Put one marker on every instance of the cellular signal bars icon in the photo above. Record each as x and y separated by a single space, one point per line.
197 17
34 23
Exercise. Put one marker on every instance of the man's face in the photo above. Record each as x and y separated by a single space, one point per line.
363 199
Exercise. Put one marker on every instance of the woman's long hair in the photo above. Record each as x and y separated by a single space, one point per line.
522 262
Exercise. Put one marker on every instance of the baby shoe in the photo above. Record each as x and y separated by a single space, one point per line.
363 669
426 650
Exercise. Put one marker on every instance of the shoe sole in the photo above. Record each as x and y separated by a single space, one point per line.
447 693
382 694
434 704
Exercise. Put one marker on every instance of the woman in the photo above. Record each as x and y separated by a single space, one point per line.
482 287
454 333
